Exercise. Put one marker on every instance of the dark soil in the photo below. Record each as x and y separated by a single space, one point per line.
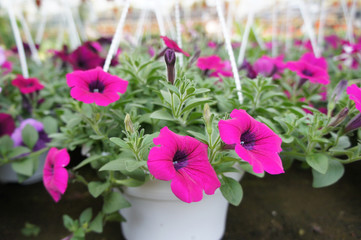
280 207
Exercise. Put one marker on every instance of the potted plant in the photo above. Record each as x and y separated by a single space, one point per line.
165 137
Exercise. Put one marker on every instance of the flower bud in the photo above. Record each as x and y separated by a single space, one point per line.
354 123
169 57
128 124
207 115
340 117
339 89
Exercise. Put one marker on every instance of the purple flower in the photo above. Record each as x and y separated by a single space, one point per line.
333 40
7 124
39 127
270 67
84 58
251 73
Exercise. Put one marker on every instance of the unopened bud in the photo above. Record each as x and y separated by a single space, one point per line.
169 57
128 124
340 117
339 89
354 123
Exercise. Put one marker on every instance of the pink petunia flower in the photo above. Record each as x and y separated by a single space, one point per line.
355 95
254 141
95 86
210 63
333 41
184 161
270 67
311 68
27 85
173 45
55 176
212 44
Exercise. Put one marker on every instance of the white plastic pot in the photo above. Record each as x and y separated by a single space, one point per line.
156 214
8 175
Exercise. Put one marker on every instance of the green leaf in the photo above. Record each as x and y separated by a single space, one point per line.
162 115
6 144
97 224
334 172
198 135
96 137
231 190
18 151
30 230
30 136
318 161
24 166
86 215
113 202
68 222
50 125
121 143
97 188
131 164
115 165
130 182
87 161
194 103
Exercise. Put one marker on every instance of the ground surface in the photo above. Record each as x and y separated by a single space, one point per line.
275 207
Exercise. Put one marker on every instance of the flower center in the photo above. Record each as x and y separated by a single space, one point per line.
96 86
307 72
180 160
248 140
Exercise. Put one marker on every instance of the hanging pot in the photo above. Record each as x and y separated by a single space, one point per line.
156 214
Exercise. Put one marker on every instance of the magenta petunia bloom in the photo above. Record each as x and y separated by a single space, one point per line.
27 85
6 67
55 176
254 141
173 45
355 95
270 67
212 45
84 58
184 161
210 63
333 41
7 124
95 86
311 68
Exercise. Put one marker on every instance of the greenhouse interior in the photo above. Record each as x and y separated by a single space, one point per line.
246 123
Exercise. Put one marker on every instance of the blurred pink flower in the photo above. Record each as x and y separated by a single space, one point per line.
355 95
27 85
55 176
270 67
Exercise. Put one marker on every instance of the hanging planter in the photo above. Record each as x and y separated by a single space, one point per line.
157 214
